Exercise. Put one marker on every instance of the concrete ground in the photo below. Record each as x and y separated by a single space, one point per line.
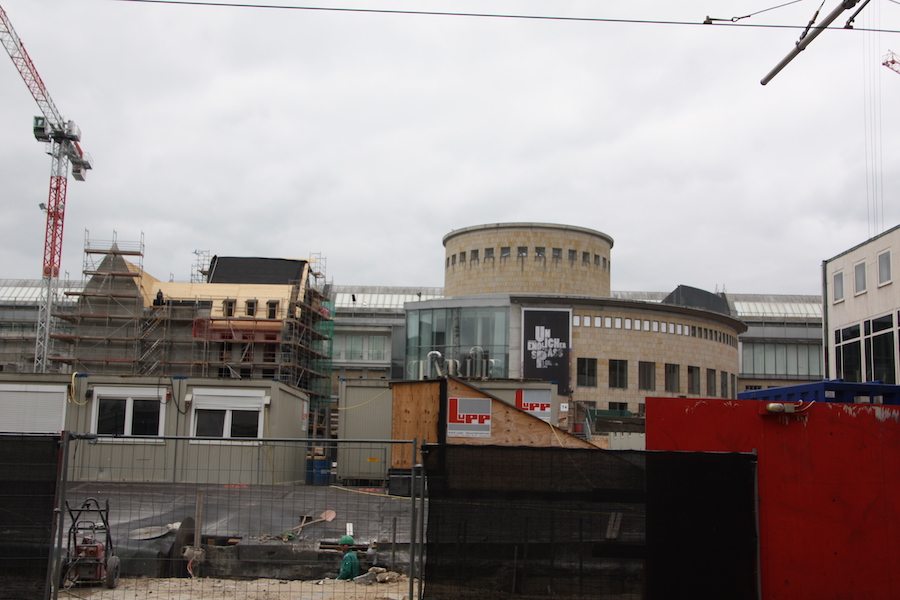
250 530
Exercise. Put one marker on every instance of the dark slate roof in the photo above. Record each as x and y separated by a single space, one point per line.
265 271
685 295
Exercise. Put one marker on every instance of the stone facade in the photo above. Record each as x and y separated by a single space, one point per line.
604 330
527 258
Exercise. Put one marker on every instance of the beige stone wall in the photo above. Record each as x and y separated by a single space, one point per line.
704 343
530 273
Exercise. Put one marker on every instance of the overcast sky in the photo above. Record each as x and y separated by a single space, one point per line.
366 137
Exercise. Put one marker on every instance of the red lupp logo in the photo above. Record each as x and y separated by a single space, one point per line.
523 404
458 417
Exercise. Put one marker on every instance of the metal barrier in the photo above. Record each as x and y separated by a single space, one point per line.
233 518
179 518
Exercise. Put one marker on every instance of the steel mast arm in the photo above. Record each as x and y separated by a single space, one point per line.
805 41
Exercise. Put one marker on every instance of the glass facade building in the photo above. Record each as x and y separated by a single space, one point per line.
473 341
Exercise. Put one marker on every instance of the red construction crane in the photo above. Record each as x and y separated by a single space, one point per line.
892 61
62 139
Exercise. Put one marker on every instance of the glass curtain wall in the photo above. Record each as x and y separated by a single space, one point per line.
781 360
472 342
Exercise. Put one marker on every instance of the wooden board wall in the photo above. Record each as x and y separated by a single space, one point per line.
511 426
417 414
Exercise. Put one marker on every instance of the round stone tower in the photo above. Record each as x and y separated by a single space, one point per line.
527 258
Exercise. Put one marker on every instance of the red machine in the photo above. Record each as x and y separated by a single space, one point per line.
89 554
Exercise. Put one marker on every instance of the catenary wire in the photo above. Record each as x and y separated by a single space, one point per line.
708 23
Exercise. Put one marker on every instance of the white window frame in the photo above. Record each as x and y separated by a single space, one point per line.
576 320
228 400
857 268
890 276
130 394
835 288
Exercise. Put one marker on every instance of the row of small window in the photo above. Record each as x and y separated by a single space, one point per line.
251 308
716 386
540 252
883 262
871 356
653 326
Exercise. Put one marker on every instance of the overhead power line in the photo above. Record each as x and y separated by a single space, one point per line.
706 23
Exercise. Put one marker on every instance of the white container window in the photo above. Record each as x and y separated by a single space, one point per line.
225 413
627 323
598 321
128 411
587 321
576 321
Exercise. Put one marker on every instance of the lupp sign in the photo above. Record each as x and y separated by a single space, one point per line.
534 402
469 417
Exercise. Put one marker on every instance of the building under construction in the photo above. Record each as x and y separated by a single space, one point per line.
252 318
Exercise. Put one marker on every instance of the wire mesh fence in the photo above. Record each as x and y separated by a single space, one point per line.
189 518
219 519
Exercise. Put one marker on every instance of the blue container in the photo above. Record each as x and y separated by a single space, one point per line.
829 390
321 471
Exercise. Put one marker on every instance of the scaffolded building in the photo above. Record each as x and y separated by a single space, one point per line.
253 318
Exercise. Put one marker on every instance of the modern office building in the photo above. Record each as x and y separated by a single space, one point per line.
862 311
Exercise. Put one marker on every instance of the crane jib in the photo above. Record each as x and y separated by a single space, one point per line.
63 138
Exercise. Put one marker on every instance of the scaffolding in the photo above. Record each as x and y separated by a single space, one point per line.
119 328
109 308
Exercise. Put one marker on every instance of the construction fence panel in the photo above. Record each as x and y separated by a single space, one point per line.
28 486
225 519
516 523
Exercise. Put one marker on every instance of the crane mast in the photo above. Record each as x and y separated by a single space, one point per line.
62 139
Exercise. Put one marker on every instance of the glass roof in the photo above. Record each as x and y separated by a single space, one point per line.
28 291
349 297
809 310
